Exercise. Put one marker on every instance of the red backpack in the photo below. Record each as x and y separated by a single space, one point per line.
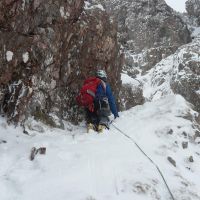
87 93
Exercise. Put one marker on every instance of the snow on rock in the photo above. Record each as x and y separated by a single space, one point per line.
131 93
157 80
105 166
56 44
146 30
196 32
9 55
64 14
178 73
89 6
25 57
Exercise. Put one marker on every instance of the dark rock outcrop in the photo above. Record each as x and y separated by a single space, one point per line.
47 48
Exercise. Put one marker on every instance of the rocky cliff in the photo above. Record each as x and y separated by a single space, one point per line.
47 48
149 29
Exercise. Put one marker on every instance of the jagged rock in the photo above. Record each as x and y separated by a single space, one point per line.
193 9
131 94
172 161
185 145
47 49
179 74
146 30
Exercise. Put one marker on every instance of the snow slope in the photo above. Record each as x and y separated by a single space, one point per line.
108 166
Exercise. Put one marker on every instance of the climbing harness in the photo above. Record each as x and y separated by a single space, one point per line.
161 174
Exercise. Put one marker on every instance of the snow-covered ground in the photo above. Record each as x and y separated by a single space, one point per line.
108 166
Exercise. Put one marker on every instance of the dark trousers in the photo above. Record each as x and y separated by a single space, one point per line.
101 113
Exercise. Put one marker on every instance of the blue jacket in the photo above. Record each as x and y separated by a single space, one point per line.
101 92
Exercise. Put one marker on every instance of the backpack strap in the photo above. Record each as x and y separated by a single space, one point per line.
91 93
103 84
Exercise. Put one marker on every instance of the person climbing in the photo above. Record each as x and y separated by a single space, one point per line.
101 103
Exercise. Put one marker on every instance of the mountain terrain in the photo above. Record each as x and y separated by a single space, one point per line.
152 56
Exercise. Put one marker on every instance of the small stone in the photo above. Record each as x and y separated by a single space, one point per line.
172 161
185 145
197 134
170 132
191 159
184 133
3 141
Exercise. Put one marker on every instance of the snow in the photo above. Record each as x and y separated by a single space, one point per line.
108 166
126 79
64 14
23 4
198 91
9 55
178 5
89 6
196 32
25 57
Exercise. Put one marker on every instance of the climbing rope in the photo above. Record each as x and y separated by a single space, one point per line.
161 174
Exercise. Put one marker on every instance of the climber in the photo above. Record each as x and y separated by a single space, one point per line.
103 101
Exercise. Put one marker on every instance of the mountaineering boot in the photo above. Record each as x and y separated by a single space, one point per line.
101 127
90 126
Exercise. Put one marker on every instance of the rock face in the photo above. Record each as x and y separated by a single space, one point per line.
130 96
150 29
47 48
186 75
193 9
179 74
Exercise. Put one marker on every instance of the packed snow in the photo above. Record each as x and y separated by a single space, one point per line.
108 166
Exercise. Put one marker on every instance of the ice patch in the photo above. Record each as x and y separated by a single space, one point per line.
23 4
